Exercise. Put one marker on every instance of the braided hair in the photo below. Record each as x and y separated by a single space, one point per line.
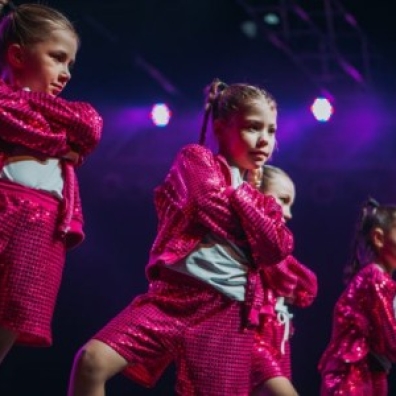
222 101
372 215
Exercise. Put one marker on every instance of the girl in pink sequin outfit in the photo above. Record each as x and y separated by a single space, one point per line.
215 232
288 283
42 139
363 342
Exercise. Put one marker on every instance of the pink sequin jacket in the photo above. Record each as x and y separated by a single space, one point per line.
292 280
51 126
364 321
196 198
298 285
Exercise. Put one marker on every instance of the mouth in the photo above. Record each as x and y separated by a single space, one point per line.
260 154
56 89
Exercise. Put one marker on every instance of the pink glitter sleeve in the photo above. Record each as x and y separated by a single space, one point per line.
280 279
50 125
269 238
21 125
306 288
382 310
199 178
211 201
78 120
292 280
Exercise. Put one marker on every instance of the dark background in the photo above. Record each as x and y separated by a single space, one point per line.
138 52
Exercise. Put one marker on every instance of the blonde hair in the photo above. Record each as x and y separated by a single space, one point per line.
268 174
28 24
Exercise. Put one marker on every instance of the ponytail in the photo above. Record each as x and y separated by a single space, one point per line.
213 91
362 250
6 7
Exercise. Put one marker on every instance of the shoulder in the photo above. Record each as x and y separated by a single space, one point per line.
375 279
370 271
195 153
194 149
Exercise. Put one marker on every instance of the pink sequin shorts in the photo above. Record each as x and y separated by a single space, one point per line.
186 321
268 360
31 262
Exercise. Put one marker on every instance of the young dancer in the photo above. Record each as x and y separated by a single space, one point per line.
289 283
42 139
363 341
205 293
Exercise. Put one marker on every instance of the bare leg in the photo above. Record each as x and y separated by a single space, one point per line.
7 339
94 364
278 386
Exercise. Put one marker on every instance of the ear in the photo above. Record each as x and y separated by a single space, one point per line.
15 55
377 237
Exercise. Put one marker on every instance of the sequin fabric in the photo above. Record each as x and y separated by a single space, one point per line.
35 228
197 198
363 322
51 126
187 321
47 124
298 284
292 280
203 331
31 262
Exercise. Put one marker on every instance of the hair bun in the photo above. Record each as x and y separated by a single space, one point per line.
370 206
6 6
214 90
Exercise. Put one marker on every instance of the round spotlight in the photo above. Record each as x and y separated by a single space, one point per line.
160 114
271 19
322 109
249 29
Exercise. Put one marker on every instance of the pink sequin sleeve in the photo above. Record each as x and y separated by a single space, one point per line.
306 288
381 307
292 280
212 202
49 125
22 125
269 238
78 120
198 176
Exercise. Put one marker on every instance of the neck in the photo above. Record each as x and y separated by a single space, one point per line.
385 266
232 163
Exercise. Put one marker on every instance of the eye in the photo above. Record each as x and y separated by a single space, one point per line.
284 200
58 56
253 126
272 130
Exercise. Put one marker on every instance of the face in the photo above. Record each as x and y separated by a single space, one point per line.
247 140
45 66
283 190
385 242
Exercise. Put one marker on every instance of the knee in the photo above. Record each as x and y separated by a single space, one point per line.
91 363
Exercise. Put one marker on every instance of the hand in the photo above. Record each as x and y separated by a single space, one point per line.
254 177
72 156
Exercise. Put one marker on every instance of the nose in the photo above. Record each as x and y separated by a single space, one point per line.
65 75
263 138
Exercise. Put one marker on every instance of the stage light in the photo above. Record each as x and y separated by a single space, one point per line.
160 114
322 109
249 28
271 19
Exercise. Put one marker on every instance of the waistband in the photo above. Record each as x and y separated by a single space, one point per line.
29 193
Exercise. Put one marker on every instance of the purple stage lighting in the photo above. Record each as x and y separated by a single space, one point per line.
322 109
160 114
